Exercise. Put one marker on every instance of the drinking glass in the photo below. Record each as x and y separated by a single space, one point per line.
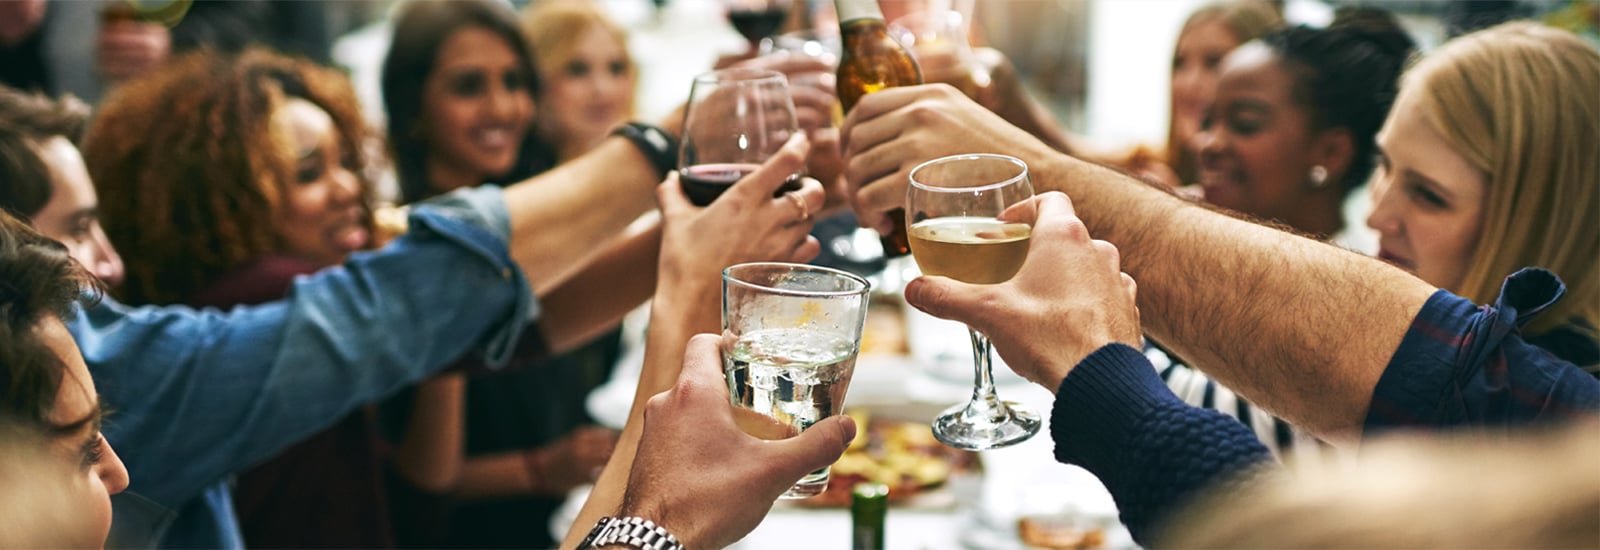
790 334
953 209
757 20
939 39
734 121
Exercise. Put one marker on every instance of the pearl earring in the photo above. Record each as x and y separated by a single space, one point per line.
1319 176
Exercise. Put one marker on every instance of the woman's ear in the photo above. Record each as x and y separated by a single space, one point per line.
1335 150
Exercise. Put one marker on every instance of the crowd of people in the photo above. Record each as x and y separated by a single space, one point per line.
217 334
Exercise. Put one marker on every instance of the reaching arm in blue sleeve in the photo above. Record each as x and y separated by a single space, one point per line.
198 395
1154 453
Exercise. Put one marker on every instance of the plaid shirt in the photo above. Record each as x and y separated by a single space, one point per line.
1464 364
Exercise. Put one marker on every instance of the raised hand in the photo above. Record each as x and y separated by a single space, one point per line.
703 478
892 131
746 224
1069 299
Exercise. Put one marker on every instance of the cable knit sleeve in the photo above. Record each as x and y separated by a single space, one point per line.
1115 418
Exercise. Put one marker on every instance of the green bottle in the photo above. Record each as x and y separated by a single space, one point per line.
869 504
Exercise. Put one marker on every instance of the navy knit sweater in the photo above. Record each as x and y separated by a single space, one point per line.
1114 417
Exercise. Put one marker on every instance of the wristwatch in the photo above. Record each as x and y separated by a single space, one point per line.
633 532
656 144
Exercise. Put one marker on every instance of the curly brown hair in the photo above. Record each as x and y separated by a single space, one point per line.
189 173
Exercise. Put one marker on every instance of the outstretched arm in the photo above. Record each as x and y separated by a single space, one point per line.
745 224
1300 327
1067 322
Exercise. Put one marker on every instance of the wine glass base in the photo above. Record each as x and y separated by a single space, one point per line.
967 428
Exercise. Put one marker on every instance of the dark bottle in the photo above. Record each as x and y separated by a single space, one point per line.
869 504
873 61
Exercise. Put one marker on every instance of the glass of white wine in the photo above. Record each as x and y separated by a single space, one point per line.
953 210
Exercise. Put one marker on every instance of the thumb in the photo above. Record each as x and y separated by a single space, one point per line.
948 299
818 446
670 195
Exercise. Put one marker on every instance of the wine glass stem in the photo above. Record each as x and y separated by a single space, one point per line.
983 394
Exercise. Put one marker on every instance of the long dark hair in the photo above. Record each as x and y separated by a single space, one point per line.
420 30
1347 76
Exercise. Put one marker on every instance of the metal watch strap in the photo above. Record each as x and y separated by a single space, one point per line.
633 532
656 144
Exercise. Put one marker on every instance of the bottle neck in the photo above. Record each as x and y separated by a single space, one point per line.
851 10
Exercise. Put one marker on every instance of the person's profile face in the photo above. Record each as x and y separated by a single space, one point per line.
1428 201
1196 61
72 216
79 470
589 92
1255 142
322 218
476 105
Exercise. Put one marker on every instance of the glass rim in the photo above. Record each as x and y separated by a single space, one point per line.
866 286
974 188
739 75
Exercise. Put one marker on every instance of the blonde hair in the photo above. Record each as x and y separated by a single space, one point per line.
1520 102
1247 20
553 28
1465 490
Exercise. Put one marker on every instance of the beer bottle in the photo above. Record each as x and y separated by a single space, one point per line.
873 61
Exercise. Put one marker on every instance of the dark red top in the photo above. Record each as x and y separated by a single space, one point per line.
326 491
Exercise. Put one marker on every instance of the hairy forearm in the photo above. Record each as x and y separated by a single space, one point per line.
559 216
429 454
596 298
1295 325
679 312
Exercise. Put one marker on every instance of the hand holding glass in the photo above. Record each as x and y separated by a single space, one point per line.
953 208
790 334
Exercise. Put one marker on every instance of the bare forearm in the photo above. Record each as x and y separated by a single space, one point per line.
558 217
429 455
596 298
497 475
1295 325
677 314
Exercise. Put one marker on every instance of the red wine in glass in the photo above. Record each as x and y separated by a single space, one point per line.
756 24
703 183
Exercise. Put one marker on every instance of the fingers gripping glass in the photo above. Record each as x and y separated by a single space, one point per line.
735 120
953 208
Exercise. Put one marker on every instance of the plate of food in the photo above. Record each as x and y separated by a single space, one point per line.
901 454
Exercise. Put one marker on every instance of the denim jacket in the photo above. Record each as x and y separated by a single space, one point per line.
196 396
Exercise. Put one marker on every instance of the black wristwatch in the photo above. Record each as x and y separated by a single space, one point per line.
633 532
656 144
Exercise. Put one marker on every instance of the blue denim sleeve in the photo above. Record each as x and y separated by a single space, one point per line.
198 395
1462 364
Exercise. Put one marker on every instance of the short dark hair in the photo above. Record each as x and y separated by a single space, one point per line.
37 278
420 30
27 120
1347 76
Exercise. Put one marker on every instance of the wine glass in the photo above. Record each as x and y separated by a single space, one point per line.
757 20
734 121
953 209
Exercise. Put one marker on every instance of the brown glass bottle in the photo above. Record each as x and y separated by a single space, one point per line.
873 61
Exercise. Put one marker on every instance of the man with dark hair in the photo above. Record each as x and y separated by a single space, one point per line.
46 181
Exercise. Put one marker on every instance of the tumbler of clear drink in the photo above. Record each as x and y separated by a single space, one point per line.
790 334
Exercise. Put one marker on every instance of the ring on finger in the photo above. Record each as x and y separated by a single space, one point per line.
805 211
